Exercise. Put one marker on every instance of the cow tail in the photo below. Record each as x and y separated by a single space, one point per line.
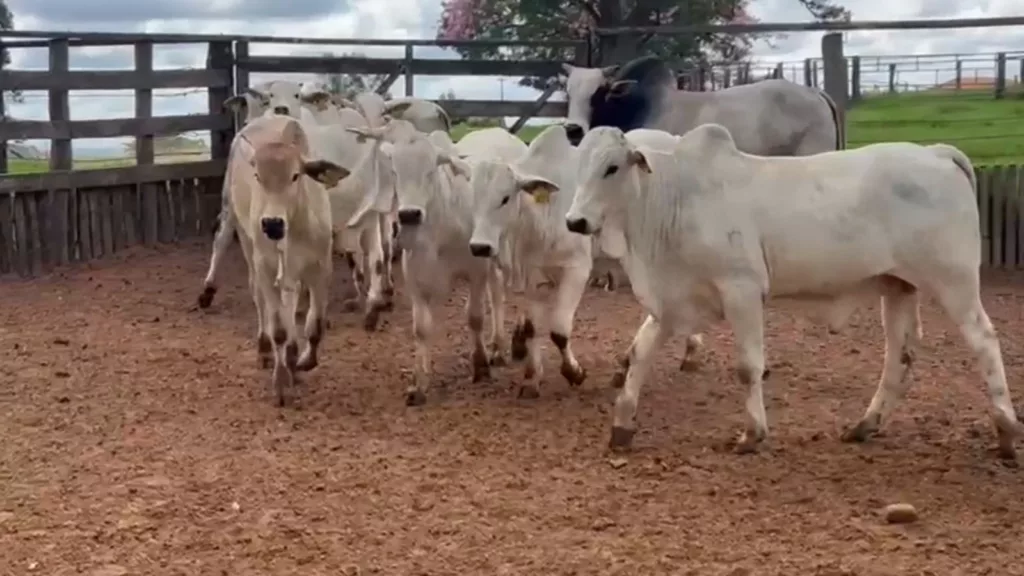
836 120
960 159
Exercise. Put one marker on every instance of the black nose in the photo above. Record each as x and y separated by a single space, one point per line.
577 225
481 250
273 228
282 110
410 216
574 132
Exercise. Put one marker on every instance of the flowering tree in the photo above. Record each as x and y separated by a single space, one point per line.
572 19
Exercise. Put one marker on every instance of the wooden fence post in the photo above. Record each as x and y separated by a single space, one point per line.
409 75
892 78
855 79
780 71
834 63
219 58
1000 75
144 149
808 81
959 74
241 76
60 110
3 114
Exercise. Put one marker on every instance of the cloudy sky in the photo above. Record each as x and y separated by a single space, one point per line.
417 19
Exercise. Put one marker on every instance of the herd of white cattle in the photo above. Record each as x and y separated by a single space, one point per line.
703 230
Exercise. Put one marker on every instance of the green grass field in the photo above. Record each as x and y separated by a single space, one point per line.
990 131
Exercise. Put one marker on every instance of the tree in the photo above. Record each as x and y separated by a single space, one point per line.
561 19
348 85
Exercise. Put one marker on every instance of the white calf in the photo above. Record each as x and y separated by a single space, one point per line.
712 232
512 201
276 97
284 228
435 218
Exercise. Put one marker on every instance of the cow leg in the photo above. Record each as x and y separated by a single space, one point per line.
370 242
534 371
264 347
691 356
567 299
648 340
898 313
221 241
496 299
744 311
962 301
475 311
422 328
388 245
284 346
354 259
316 316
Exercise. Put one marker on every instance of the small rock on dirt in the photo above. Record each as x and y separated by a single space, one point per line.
901 513
617 463
602 524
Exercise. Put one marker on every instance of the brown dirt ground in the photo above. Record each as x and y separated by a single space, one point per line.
140 438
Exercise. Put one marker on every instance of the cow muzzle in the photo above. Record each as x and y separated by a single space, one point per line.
410 216
575 133
273 228
578 225
481 250
282 110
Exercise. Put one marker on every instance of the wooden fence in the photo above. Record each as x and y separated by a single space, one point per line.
68 215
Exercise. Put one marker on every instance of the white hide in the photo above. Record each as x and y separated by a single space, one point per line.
712 232
435 208
522 204
271 177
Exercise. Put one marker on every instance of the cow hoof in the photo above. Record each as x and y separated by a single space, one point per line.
206 297
746 445
573 375
372 319
350 305
265 362
415 398
498 359
291 355
860 432
307 362
519 349
622 438
618 380
528 392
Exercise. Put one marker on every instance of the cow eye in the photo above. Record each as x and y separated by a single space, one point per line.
295 177
611 170
504 201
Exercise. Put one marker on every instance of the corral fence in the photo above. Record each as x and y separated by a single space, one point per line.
68 215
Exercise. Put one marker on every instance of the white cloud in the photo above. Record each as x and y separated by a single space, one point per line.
417 19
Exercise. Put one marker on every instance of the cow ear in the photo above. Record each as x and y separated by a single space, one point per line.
610 71
540 189
320 99
362 134
236 104
621 88
396 109
325 172
638 159
567 68
458 165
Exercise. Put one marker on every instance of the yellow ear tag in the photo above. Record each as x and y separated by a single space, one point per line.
542 195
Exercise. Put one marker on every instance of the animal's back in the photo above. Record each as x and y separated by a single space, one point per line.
493 143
